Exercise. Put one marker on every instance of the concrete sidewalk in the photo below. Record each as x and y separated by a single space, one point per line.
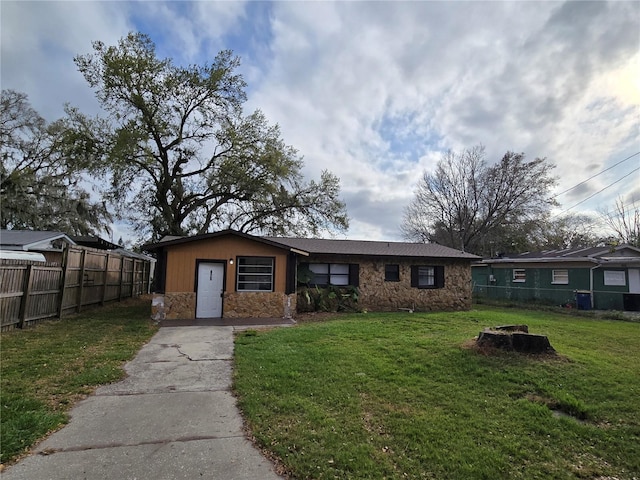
173 417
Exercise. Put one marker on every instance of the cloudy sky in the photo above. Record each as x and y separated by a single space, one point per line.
376 91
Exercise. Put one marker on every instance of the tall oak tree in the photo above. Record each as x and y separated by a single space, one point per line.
181 156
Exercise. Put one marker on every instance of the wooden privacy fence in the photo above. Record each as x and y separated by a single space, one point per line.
32 292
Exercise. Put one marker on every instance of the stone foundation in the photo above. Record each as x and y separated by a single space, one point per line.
157 307
258 305
173 306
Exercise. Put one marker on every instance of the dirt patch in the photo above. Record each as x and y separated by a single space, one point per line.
489 351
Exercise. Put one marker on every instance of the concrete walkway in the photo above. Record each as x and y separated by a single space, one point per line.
173 417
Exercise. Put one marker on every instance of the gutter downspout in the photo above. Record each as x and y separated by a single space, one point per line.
591 284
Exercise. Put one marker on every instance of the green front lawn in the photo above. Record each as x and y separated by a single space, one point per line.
402 396
46 369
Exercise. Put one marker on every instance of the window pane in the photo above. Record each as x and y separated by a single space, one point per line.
391 273
256 269
319 267
254 278
340 268
519 275
339 274
560 276
330 274
320 280
255 274
255 261
339 279
426 276
614 278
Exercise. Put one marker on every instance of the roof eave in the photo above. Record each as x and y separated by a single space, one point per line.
151 247
540 260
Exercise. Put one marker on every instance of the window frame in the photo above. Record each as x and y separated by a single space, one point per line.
521 276
558 278
437 275
609 278
392 274
352 275
239 265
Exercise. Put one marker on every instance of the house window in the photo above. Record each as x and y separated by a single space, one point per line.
254 274
392 273
339 274
424 276
560 276
614 278
519 275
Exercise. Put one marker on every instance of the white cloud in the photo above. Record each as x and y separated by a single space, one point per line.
188 32
375 91
518 76
40 40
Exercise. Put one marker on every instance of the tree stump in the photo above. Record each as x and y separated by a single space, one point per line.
516 338
512 328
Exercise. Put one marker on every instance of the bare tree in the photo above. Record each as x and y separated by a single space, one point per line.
569 231
624 220
466 204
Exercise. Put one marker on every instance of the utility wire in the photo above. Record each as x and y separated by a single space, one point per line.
594 176
599 191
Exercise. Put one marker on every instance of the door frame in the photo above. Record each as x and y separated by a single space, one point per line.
224 281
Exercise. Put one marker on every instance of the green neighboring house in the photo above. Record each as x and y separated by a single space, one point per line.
603 278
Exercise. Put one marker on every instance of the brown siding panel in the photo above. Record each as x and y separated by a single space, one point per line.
181 261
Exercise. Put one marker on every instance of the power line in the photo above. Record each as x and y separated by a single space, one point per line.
599 191
594 176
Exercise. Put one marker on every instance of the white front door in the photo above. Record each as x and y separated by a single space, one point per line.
634 280
209 292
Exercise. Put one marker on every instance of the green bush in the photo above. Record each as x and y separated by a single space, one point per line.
329 299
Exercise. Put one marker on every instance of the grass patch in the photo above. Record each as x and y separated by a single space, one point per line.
47 368
398 396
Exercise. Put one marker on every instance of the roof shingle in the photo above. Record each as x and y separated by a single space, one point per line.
371 248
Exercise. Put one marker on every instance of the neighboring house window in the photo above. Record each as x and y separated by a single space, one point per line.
519 275
255 274
424 276
392 273
560 276
614 278
339 274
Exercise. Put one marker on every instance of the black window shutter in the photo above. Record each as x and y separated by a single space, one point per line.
354 274
414 276
291 273
439 273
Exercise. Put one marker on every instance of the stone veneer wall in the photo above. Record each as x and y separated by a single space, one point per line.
258 305
377 295
235 305
173 305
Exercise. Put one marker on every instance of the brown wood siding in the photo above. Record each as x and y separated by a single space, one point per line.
181 261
